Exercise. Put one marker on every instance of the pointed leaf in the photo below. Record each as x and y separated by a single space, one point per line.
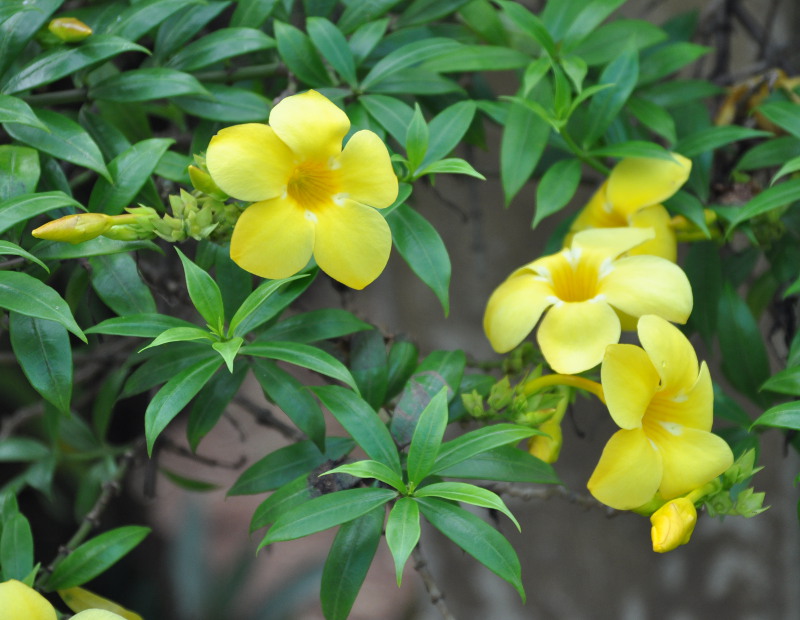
204 293
7 248
785 415
290 495
146 325
220 45
146 84
116 280
427 438
300 55
308 327
604 107
255 299
480 440
21 208
302 355
16 548
371 469
369 366
402 533
179 334
330 42
524 138
228 349
556 188
466 493
507 464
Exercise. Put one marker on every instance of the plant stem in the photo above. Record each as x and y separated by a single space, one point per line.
582 383
437 596
581 154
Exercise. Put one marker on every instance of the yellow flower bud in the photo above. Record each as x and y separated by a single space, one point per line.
69 29
20 601
75 228
673 524
547 447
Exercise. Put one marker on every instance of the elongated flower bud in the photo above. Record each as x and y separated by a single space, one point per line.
673 524
69 29
75 228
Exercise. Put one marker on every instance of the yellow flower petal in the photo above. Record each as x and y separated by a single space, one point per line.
691 457
628 472
665 243
611 242
79 599
629 382
273 239
637 182
18 601
311 125
514 309
249 162
366 173
671 353
693 409
574 336
640 285
97 614
353 243
598 213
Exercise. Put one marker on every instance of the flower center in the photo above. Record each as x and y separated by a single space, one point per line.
575 277
312 185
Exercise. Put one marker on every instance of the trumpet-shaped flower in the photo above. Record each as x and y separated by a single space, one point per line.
580 291
663 403
311 197
631 196
672 524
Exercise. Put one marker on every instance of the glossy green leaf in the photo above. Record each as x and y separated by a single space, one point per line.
22 449
147 325
7 248
467 493
254 300
451 165
423 249
19 26
371 469
220 45
369 366
204 293
604 107
676 93
226 104
484 439
303 355
116 280
633 148
349 559
43 351
392 114
366 37
427 439
294 399
402 361
212 401
59 61
786 381
524 138
275 304
16 547
175 395
285 464
556 188
447 129
146 84
362 423
785 415
179 334
506 464
406 56
252 13
163 363
144 15
27 295
358 13
416 141
703 266
179 28
476 537
770 153
402 533
771 198
15 110
228 350
477 58
422 11
63 139
668 59
416 82
589 18
602 45
95 556
531 25
793 165
322 324
784 114
100 246
712 138
288 496
21 208
654 117
326 511
300 55
332 45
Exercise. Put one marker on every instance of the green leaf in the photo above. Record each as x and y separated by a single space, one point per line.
116 280
294 399
220 45
147 325
423 11
427 439
314 326
770 153
179 334
447 129
408 55
676 93
771 198
358 12
330 42
784 114
288 496
476 537
423 249
129 170
63 139
371 469
654 117
326 511
366 37
8 248
604 107
300 55
362 424
524 138
303 355
402 361
477 58
451 165
703 266
668 59
189 484
204 293
467 493
402 533
135 21
21 208
175 395
484 439
211 403
43 351
712 138
27 295
62 61
786 381
15 110
556 188
785 415
100 246
20 170
228 349
22 449
633 148
179 28
146 85
163 363
531 25
369 366
95 556
589 18
254 300
349 559
226 104
19 26
252 12
285 464
416 141
392 114
602 45
793 165
16 548
275 304
416 82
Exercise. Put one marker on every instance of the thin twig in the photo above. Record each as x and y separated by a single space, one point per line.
435 593
265 417
527 493
171 446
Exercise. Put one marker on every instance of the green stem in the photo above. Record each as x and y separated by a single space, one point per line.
581 383
581 154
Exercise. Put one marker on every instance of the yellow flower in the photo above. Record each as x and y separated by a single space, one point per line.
663 404
631 196
673 524
310 196
582 289
19 601
90 606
